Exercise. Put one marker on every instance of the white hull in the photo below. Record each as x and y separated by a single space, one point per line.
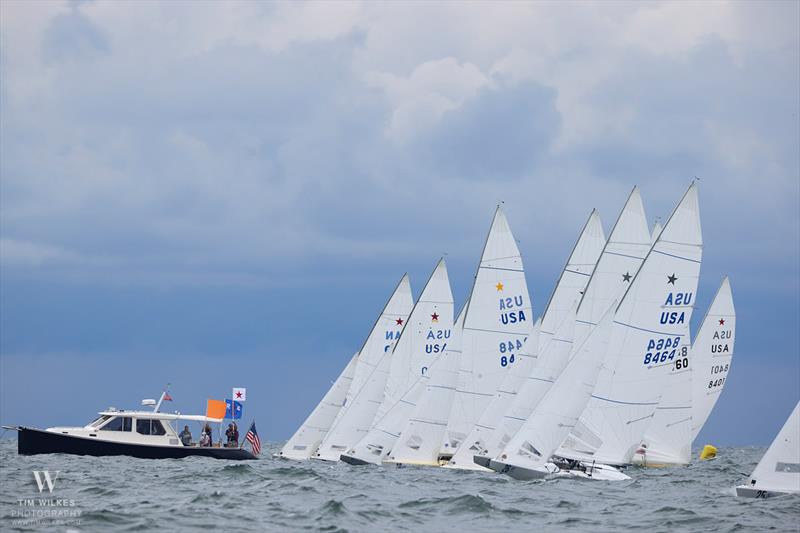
743 491
596 472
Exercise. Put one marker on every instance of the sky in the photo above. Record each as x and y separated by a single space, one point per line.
225 194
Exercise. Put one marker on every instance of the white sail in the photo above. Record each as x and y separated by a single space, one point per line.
550 422
308 437
496 324
355 419
424 338
657 227
779 469
649 337
711 355
493 414
574 277
421 439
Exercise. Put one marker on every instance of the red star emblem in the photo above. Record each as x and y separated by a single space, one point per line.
238 394
435 317
399 321
721 321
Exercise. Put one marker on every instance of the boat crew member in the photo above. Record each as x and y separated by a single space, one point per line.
233 435
186 436
205 438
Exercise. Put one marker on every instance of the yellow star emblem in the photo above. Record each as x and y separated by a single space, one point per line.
499 286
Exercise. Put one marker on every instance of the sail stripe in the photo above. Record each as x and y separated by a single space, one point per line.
496 331
624 403
666 334
505 269
576 272
622 255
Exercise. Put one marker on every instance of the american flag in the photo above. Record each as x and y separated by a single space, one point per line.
252 438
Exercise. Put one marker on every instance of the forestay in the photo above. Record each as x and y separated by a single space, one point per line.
308 437
649 337
424 338
712 353
356 418
421 439
496 324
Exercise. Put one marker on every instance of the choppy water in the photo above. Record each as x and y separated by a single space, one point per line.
126 494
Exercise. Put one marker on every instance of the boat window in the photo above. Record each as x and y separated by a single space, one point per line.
99 420
118 423
149 427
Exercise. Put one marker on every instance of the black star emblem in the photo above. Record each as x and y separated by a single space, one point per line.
626 277
671 279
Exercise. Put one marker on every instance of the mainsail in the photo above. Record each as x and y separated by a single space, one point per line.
648 339
355 418
551 420
422 437
779 470
712 353
424 338
496 324
308 437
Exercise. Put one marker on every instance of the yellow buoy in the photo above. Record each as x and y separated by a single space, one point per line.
709 452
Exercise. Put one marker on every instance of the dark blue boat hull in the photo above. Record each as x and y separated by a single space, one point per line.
36 441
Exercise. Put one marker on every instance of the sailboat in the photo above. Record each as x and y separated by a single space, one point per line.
778 472
369 380
422 439
497 323
529 454
308 437
423 340
514 391
695 384
649 338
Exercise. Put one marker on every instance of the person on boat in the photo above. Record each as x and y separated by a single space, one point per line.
233 435
205 438
186 436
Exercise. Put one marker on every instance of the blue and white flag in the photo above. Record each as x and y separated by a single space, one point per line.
233 409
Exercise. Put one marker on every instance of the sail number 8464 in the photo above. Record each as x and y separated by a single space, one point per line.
663 350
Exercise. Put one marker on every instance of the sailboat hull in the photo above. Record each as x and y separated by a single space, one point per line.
743 491
37 441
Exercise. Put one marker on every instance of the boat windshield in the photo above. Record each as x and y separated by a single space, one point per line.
99 420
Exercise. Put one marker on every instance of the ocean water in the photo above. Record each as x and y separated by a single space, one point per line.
126 494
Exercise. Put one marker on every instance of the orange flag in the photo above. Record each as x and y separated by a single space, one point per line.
215 408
